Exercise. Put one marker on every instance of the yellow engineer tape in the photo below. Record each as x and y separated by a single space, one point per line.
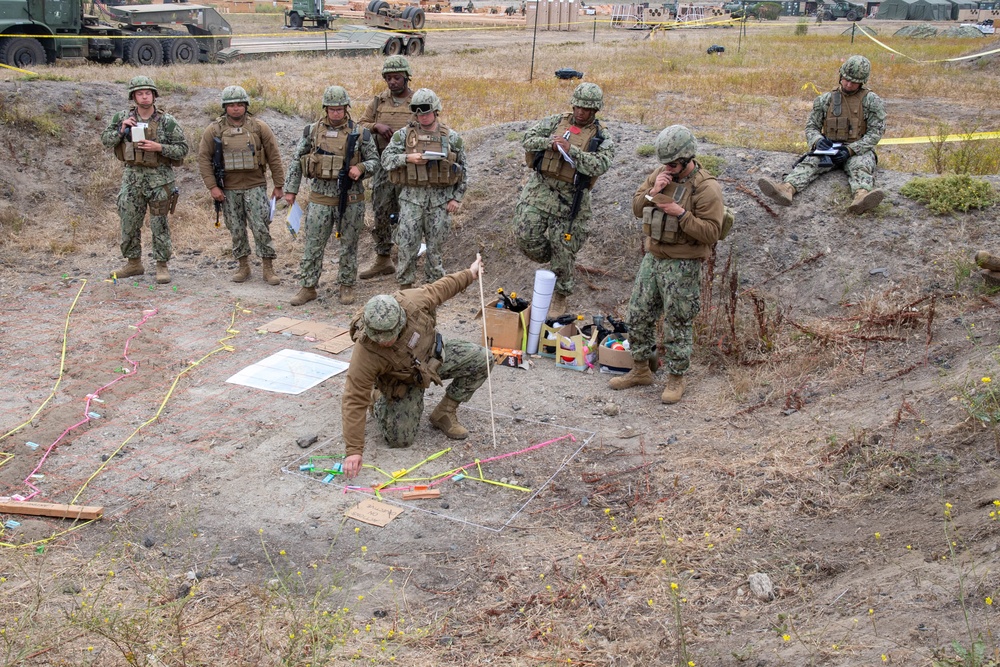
17 69
973 136
940 60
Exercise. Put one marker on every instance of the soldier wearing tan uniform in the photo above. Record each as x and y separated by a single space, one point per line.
248 150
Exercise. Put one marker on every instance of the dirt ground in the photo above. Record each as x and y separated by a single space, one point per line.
822 441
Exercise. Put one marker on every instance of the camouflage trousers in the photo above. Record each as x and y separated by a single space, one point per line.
385 206
417 223
321 222
860 172
540 236
668 288
464 364
133 200
249 208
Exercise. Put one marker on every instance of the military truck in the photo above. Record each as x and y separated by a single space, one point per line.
308 13
380 13
35 32
831 11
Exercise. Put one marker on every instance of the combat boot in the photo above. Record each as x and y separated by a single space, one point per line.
243 272
558 306
639 376
267 265
445 420
984 259
305 295
865 200
780 192
383 266
133 267
346 294
162 273
674 389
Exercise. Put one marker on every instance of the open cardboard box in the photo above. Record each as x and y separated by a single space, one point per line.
566 345
614 361
506 333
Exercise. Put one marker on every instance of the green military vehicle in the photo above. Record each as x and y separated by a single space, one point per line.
831 11
308 13
35 32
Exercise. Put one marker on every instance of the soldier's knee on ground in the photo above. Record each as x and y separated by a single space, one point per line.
399 440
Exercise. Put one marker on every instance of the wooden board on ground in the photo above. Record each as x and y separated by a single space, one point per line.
52 509
425 494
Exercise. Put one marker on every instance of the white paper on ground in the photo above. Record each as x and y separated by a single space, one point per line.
289 372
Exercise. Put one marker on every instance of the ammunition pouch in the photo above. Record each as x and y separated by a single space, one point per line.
434 174
162 206
661 227
321 165
134 157
175 194
728 219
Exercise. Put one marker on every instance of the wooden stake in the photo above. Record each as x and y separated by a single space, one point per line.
52 509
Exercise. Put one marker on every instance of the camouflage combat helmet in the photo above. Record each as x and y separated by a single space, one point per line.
234 95
397 64
336 96
384 318
142 83
588 96
675 143
856 69
425 96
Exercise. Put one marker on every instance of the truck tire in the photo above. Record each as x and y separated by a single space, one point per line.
393 47
851 16
182 51
142 52
295 20
372 5
417 18
415 47
377 6
21 52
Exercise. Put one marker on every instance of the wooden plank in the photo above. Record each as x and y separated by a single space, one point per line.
421 495
52 509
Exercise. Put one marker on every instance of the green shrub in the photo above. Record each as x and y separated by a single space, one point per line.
802 27
954 192
646 150
713 164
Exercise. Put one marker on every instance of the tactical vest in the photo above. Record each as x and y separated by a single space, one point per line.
126 151
329 148
396 117
664 228
437 173
845 117
551 163
411 357
242 148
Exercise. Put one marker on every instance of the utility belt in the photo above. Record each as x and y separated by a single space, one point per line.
327 200
165 206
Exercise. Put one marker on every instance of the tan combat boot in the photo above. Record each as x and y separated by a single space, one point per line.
674 389
780 192
133 267
346 294
639 376
305 295
267 265
445 420
162 273
243 272
865 201
383 266
558 306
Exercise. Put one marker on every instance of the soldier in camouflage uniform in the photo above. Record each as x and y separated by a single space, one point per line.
148 178
337 155
852 116
388 111
681 224
248 148
400 354
553 213
428 160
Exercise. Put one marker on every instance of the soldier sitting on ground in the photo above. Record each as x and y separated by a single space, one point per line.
399 353
849 123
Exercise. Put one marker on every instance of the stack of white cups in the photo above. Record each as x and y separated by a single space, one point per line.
545 284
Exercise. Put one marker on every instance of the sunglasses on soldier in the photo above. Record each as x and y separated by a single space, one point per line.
674 164
420 108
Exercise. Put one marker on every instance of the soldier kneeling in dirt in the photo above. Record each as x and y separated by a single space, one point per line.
399 353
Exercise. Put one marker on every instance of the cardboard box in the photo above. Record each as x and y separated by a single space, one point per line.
505 329
614 361
566 345
506 357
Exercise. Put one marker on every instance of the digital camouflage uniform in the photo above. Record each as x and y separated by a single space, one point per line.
541 217
384 108
322 219
668 282
422 212
144 187
247 203
403 371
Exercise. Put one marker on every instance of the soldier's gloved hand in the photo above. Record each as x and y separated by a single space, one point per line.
840 159
823 144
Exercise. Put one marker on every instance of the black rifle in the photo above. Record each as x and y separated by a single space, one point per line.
344 181
219 169
581 183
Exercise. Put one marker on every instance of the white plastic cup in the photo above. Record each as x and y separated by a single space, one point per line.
545 285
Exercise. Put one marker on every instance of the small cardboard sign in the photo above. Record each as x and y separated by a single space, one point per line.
373 512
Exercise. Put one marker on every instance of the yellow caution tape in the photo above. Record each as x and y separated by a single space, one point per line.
941 60
18 69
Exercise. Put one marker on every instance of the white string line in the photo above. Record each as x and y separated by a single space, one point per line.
489 354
